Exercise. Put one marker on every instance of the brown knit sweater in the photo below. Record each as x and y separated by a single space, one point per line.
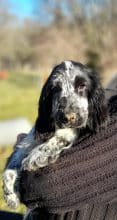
82 184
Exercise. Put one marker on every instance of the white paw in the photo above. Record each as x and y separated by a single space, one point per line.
45 154
35 160
12 200
9 187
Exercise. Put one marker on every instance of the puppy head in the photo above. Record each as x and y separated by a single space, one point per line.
72 97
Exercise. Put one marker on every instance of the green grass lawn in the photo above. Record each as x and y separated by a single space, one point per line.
18 98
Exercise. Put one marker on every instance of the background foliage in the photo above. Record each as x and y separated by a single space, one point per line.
59 30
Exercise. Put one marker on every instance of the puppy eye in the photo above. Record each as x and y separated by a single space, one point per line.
82 87
57 89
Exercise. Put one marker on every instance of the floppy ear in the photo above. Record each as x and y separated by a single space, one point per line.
44 122
98 110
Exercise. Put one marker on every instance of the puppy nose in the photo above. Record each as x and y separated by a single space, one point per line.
71 117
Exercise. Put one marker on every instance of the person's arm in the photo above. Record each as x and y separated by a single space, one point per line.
86 173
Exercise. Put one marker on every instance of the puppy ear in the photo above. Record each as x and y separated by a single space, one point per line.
44 122
98 110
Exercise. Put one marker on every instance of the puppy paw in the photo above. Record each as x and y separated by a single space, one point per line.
12 200
10 185
43 155
34 161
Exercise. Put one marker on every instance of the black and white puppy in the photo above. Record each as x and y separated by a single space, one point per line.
72 100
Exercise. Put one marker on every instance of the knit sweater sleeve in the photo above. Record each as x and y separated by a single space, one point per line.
86 173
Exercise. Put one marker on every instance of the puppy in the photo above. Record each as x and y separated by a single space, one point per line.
72 101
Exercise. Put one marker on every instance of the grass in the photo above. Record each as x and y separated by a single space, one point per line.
18 98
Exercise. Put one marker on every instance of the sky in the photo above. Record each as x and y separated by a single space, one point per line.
22 8
27 8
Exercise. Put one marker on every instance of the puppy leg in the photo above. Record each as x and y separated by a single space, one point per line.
48 152
10 180
12 170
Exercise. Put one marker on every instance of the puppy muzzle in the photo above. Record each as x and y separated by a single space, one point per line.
71 117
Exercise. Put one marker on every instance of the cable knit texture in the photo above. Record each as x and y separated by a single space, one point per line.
84 177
